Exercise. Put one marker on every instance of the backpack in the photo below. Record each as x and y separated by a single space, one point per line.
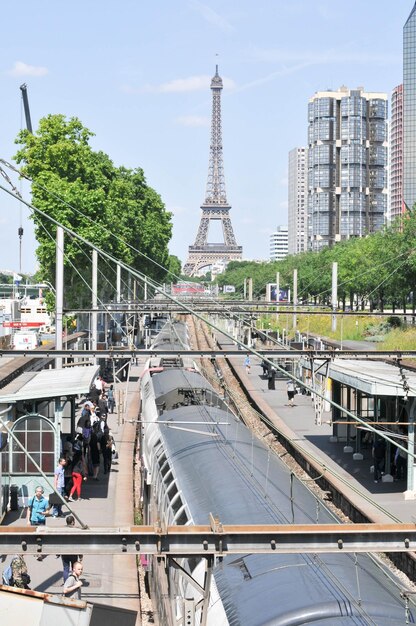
7 578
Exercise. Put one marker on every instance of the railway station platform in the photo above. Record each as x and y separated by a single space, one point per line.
108 580
381 502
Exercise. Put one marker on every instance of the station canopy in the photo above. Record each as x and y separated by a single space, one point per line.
374 378
50 383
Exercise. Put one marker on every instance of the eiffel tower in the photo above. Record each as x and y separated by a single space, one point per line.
203 254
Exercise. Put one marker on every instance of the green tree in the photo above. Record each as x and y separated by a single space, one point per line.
111 207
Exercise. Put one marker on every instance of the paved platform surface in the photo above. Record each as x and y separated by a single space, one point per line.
108 502
381 502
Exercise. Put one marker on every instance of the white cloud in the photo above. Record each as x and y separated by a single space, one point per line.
178 210
211 16
247 220
284 182
23 69
192 120
181 85
284 204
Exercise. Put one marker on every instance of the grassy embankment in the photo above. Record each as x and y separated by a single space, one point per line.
349 327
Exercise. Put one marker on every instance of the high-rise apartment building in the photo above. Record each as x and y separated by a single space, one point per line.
347 165
278 244
409 110
396 153
298 201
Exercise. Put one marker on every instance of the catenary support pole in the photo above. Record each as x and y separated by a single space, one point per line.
334 295
94 315
118 297
295 298
59 280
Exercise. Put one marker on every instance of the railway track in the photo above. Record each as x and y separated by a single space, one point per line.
202 338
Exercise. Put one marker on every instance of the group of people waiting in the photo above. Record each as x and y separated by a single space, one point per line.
80 458
93 440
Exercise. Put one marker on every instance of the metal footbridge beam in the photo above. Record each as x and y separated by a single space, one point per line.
211 540
281 353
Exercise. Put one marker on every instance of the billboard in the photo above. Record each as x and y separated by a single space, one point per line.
271 293
228 289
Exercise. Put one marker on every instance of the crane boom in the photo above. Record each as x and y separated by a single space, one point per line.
23 89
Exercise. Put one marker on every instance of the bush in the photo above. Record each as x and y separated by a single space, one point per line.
394 322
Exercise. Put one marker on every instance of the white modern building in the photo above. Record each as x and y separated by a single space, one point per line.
279 244
298 201
347 165
396 154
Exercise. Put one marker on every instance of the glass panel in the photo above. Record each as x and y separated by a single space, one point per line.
31 468
47 440
32 423
33 441
18 462
48 462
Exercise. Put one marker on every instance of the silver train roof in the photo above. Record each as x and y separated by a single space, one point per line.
235 477
170 379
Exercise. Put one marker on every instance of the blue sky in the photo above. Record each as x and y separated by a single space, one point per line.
137 73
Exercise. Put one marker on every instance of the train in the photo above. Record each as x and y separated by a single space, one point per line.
199 461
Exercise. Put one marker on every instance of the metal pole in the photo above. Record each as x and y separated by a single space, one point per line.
250 289
277 294
59 283
118 298
295 297
409 494
94 315
334 295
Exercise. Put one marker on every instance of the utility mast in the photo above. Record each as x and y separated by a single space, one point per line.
23 89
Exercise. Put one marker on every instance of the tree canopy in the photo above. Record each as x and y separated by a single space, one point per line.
377 269
112 207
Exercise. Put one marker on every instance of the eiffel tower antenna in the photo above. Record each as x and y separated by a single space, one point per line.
203 255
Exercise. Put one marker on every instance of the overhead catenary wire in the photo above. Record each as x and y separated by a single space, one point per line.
87 217
187 308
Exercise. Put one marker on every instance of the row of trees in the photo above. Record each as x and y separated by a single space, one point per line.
379 269
112 207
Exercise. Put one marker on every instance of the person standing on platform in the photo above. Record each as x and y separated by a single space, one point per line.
79 473
111 399
271 375
106 444
103 406
95 448
379 455
247 364
290 388
69 560
59 484
20 577
38 509
73 584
